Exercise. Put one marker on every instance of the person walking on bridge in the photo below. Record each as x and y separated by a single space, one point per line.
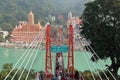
77 75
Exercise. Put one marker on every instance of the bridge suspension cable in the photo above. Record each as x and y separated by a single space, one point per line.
98 64
93 51
87 62
29 59
98 71
92 63
33 59
19 59
22 57
80 41
27 55
94 57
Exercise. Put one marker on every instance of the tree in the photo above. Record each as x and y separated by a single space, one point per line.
1 38
6 69
87 75
101 24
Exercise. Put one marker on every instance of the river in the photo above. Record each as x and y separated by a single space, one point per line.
11 55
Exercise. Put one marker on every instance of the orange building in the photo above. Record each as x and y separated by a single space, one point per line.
26 31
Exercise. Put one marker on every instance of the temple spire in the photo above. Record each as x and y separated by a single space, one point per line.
39 25
69 15
31 18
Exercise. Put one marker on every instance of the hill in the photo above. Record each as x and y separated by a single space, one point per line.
12 11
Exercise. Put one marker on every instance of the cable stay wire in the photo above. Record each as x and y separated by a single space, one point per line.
88 54
24 59
98 64
87 61
21 57
38 45
33 60
84 55
32 53
97 57
26 64
93 51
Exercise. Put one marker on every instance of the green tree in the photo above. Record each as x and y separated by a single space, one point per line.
101 24
6 69
1 38
87 75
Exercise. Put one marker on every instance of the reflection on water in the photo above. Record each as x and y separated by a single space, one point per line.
11 55
6 53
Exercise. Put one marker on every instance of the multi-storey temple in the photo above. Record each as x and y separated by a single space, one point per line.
26 31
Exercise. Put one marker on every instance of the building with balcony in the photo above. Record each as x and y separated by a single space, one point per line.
26 31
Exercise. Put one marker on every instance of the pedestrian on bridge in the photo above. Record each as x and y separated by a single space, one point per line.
77 75
37 76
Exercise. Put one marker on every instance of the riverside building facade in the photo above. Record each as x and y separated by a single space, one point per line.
26 31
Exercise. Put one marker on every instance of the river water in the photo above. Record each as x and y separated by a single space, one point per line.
11 55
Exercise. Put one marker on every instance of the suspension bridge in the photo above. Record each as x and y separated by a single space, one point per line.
31 52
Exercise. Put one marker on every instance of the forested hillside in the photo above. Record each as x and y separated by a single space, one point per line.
12 11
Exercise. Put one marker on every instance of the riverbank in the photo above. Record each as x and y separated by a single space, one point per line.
25 45
17 45
7 45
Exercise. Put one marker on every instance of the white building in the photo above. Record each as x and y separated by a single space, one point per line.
3 33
